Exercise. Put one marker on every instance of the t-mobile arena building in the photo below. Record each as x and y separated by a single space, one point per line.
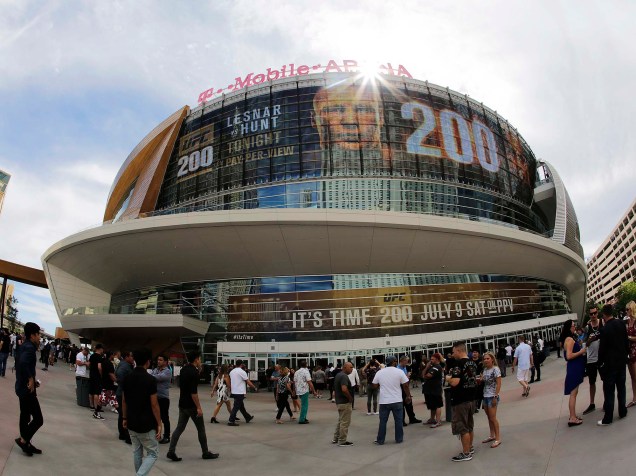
329 216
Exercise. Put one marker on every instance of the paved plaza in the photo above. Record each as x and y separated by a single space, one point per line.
535 435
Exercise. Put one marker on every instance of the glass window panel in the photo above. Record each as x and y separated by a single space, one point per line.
345 159
313 160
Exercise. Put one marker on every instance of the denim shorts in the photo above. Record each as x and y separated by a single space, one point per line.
489 400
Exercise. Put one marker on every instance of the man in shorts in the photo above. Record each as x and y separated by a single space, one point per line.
95 375
593 331
462 378
319 379
523 357
432 389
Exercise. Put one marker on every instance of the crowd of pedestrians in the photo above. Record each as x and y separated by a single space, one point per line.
136 386
606 347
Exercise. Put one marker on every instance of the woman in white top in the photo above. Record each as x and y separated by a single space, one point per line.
491 378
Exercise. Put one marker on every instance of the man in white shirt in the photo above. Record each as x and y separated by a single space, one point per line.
13 339
540 343
392 382
81 371
303 384
523 357
508 354
238 388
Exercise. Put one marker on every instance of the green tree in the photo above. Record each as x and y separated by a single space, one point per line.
11 312
626 292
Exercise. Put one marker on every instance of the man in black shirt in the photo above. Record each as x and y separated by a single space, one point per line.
612 360
124 368
332 376
479 391
140 413
44 355
95 375
462 378
501 360
432 389
190 408
25 384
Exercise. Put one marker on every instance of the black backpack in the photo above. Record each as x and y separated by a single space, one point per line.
537 355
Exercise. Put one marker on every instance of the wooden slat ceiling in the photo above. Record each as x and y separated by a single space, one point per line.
22 274
147 164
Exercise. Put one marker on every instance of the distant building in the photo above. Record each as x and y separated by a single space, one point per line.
615 260
8 294
4 181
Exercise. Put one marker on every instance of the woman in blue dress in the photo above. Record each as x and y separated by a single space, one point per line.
575 356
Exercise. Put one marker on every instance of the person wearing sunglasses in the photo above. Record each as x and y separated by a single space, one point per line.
592 331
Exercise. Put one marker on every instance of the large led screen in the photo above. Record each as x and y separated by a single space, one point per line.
352 128
376 312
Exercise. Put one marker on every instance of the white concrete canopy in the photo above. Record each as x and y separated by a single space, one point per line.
132 331
250 243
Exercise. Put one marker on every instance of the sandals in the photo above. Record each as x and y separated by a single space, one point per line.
489 439
495 444
575 423
631 404
278 422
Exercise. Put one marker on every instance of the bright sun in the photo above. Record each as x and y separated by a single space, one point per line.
368 69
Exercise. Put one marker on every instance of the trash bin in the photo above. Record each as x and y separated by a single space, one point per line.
82 391
447 404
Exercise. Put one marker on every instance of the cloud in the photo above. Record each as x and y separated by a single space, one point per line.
45 204
34 304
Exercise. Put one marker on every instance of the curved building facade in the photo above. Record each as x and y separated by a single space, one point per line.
330 216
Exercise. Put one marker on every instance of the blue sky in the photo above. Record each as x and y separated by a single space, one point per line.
82 82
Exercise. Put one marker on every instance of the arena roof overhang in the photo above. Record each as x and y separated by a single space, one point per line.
251 243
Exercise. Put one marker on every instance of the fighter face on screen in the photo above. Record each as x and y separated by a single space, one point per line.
349 116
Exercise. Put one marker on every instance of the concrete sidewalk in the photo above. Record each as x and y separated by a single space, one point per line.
535 435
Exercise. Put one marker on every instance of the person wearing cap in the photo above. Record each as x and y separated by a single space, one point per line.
463 379
392 382
25 384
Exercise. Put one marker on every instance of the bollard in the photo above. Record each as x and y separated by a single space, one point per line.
82 391
447 404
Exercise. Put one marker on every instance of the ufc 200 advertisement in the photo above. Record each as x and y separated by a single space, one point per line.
317 315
